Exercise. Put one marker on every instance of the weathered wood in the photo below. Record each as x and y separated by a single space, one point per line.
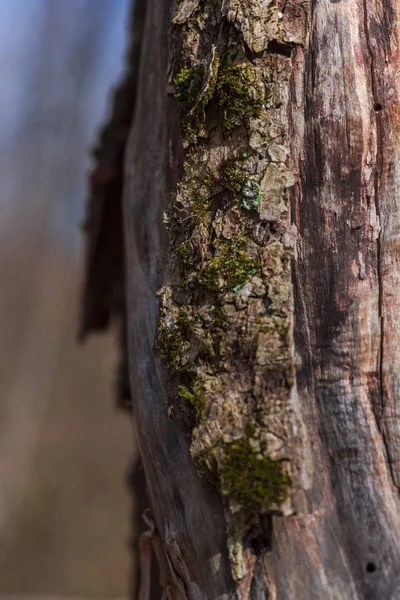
193 533
278 156
344 208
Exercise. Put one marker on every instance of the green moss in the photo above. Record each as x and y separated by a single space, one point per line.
188 85
171 341
232 85
234 178
194 89
230 268
244 474
195 399
236 103
184 253
206 465
250 478
169 345
219 320
209 277
196 211
200 209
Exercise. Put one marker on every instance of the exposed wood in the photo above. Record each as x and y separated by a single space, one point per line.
317 138
344 208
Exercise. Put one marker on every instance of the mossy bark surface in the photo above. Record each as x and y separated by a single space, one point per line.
226 308
210 306
260 226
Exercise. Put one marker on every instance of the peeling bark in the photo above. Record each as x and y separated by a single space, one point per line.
261 216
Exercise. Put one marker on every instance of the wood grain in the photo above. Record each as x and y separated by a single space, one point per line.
343 119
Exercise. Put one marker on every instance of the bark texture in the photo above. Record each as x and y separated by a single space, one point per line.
222 277
262 221
344 208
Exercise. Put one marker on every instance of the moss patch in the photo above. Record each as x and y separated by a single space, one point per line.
183 252
244 473
235 101
234 178
230 268
169 345
196 211
252 479
195 399
188 85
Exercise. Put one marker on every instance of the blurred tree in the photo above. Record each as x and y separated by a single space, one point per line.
59 450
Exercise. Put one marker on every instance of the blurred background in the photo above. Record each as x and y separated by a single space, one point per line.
65 450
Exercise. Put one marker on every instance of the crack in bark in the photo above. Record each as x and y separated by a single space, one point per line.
378 164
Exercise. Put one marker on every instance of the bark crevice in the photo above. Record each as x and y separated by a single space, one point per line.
377 106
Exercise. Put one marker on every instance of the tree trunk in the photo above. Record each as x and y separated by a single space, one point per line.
261 221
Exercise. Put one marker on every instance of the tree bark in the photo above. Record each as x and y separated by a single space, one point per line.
261 220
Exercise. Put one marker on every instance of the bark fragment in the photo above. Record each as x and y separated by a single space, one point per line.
226 307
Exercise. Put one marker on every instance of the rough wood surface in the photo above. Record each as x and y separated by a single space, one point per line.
345 207
277 121
189 518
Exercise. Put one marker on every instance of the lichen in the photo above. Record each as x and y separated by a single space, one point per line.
247 191
252 195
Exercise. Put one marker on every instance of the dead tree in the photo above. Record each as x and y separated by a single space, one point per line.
261 217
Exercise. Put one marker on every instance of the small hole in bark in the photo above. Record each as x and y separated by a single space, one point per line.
378 106
371 567
256 546
273 226
278 48
259 545
267 303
